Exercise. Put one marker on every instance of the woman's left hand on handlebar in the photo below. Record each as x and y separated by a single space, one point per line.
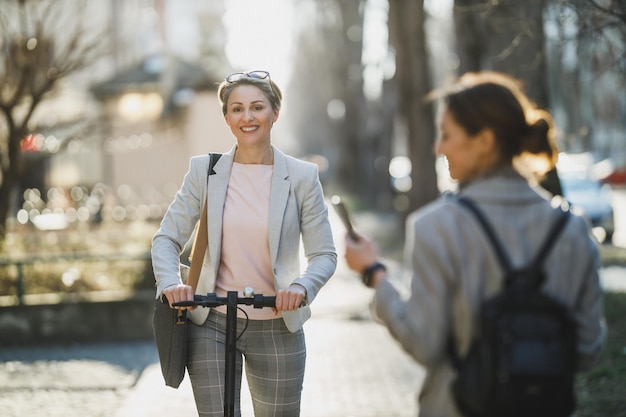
291 298
180 292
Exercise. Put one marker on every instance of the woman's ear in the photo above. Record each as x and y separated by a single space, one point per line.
487 140
276 113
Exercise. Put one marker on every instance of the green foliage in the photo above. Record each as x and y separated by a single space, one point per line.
601 391
111 256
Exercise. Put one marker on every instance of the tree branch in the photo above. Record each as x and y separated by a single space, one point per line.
608 11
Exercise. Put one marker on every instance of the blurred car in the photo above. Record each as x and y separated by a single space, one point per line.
616 177
610 171
593 199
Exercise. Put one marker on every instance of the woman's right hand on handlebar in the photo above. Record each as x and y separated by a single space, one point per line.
180 292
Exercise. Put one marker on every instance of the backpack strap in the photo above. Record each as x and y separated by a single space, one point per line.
551 238
503 258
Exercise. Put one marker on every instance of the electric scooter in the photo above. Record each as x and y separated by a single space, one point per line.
231 301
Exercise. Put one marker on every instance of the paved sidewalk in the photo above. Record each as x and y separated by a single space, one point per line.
70 381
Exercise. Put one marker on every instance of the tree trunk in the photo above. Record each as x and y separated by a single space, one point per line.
505 36
470 39
516 46
407 33
508 37
9 174
354 146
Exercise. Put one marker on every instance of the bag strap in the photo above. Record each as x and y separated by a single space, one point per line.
503 258
552 235
201 240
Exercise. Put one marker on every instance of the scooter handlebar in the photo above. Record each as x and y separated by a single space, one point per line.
212 300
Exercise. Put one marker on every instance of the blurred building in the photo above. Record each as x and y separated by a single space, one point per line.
132 120
158 112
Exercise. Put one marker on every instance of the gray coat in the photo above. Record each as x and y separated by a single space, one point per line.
297 209
453 268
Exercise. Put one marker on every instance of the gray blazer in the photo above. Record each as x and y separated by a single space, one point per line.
452 268
297 209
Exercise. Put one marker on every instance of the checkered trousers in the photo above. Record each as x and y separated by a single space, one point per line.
274 362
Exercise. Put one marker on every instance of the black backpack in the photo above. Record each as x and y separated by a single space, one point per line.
522 362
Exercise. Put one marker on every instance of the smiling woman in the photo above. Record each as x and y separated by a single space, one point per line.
260 36
254 190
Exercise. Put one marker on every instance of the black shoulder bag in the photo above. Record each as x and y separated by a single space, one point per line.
170 325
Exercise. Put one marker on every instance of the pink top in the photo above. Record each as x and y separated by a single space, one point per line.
245 259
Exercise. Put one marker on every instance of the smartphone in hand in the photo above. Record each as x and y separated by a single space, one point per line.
342 211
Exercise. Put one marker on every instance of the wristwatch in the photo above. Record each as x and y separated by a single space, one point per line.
368 273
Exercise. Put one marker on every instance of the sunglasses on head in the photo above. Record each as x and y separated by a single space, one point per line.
259 75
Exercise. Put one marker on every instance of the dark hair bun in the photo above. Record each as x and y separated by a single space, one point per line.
540 138
537 137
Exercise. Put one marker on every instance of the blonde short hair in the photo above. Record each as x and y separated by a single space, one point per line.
267 86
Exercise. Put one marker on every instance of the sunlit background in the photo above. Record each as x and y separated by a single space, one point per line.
133 95
103 102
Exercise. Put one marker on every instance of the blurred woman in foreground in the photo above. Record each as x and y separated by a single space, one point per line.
495 141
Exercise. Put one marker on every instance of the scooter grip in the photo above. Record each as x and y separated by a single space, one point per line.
185 304
197 299
261 301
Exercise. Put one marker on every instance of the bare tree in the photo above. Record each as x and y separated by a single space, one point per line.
361 138
333 116
581 87
40 44
408 36
350 90
590 83
320 60
505 36
604 25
